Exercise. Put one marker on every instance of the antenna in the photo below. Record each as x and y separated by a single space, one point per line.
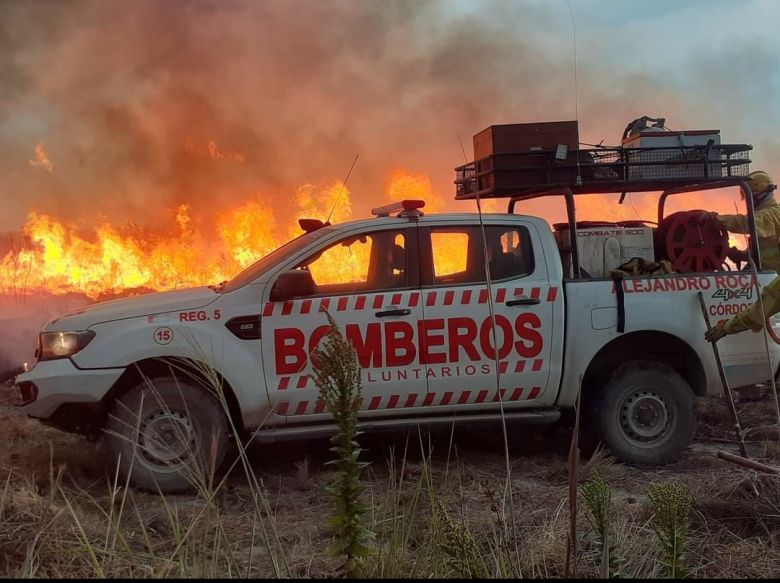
576 99
496 359
462 149
341 191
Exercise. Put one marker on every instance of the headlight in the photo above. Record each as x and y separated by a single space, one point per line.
62 344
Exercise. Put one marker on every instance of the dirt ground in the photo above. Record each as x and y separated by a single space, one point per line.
56 506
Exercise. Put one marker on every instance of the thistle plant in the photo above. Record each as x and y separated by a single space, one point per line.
457 543
671 503
337 375
598 501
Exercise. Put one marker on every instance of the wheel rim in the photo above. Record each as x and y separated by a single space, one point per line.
646 417
166 439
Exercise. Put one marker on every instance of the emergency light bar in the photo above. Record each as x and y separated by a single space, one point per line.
405 208
310 225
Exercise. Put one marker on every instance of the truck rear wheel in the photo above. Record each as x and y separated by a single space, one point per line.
646 413
166 434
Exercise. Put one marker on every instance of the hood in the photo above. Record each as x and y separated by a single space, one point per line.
147 304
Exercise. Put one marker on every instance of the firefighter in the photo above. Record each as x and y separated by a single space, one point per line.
767 222
768 230
750 319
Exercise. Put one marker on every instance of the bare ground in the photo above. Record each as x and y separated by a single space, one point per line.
59 515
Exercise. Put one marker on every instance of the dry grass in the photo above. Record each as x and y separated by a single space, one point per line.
60 516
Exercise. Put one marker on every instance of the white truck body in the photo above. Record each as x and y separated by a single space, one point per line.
434 357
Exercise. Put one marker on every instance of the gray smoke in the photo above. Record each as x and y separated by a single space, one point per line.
126 96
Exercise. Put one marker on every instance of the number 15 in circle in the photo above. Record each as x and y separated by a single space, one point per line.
163 335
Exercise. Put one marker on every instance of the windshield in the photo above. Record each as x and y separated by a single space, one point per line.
261 266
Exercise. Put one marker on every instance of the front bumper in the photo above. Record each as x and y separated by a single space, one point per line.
59 382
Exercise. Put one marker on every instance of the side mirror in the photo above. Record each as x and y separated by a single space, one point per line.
296 283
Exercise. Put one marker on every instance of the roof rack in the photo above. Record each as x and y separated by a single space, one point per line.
526 175
523 176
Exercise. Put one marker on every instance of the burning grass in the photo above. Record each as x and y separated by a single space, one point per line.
435 499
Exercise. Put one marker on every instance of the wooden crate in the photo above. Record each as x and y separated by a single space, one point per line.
519 138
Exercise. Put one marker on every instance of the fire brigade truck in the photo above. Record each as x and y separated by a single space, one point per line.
169 377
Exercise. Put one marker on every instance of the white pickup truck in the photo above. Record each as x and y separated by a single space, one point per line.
409 291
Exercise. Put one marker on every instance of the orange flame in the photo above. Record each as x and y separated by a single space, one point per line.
113 260
41 158
56 256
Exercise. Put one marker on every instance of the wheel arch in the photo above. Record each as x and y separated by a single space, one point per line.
205 375
654 346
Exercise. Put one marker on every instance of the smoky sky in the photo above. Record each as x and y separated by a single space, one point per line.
127 96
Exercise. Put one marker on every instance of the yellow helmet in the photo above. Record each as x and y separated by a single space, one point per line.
759 181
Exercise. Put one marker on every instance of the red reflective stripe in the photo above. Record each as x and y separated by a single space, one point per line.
429 399
552 293
445 400
268 309
534 393
378 301
305 306
360 302
430 300
518 291
535 293
502 366
464 397
481 396
501 295
301 408
448 297
516 394
284 382
465 298
499 395
374 402
281 408
324 304
342 305
413 299
319 407
410 400
302 380
483 297
396 299
520 366
537 365
287 308
392 402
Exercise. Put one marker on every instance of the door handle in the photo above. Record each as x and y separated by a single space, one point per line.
395 312
523 302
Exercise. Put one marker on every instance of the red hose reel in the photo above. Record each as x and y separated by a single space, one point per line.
692 241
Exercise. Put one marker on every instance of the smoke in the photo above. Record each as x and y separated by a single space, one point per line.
145 105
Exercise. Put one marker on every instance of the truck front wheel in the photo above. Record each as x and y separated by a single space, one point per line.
166 435
645 414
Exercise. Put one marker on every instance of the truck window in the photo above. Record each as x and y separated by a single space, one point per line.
359 263
458 256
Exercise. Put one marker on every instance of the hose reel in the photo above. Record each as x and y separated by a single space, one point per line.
693 241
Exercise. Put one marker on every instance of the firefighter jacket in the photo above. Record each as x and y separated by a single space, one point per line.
750 319
767 228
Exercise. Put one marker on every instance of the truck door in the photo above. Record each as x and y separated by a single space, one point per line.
369 283
458 345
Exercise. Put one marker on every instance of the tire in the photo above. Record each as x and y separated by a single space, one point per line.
645 414
182 412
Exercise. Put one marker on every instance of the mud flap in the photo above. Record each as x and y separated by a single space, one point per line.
621 303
